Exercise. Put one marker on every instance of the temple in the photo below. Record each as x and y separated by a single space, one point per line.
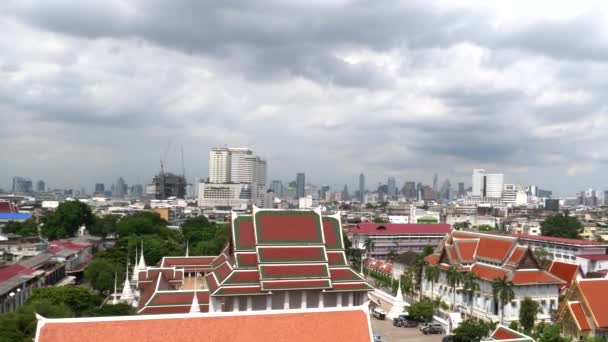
275 260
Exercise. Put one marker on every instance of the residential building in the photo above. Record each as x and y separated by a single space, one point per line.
409 190
593 263
120 188
165 185
509 194
398 237
490 257
552 205
300 185
99 189
391 187
563 249
277 187
305 202
324 193
16 286
323 324
345 196
211 195
461 190
584 311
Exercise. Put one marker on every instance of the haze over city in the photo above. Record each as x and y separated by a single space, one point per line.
404 89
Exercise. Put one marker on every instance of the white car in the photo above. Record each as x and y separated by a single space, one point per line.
379 313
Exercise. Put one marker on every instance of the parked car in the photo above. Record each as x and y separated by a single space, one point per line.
410 324
379 313
377 338
399 320
431 324
447 338
433 329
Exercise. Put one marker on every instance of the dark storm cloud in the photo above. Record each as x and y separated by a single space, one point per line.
385 86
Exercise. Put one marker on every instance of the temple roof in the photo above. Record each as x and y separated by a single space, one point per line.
283 250
348 324
491 256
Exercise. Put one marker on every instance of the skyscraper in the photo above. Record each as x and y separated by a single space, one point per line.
40 186
324 194
277 188
345 195
461 191
300 185
22 185
392 187
100 188
478 182
361 188
435 182
120 188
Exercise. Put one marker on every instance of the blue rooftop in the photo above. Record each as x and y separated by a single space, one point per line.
9 216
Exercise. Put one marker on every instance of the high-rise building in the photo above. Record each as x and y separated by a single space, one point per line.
478 182
606 197
509 194
40 186
232 165
22 185
345 195
120 188
409 190
494 185
361 188
136 190
461 191
445 193
277 188
165 185
392 186
100 188
300 185
435 183
324 195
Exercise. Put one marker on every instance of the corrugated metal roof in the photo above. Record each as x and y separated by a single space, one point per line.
12 216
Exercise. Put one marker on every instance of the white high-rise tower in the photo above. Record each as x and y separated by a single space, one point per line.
478 182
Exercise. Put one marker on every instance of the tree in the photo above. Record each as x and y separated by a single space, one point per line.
543 257
120 309
502 290
141 223
77 299
485 228
104 226
454 277
419 266
101 272
462 225
66 220
422 310
527 314
549 333
212 245
369 245
391 256
470 285
431 273
27 228
380 220
561 225
472 331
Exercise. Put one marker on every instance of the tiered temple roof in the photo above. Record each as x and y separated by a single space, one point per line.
489 257
283 250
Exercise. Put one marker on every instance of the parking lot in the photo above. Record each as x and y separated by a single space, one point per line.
391 333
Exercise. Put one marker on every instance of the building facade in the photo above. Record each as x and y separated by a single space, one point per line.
563 249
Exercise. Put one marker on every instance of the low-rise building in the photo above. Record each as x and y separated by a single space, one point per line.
491 257
584 311
592 263
561 248
397 237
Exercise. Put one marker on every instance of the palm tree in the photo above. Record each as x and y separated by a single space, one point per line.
470 284
454 277
431 273
502 290
369 246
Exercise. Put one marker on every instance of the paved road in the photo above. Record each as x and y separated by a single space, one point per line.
391 333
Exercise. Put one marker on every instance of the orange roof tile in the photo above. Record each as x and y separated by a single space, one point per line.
535 277
565 271
488 272
466 249
432 259
593 292
517 254
576 310
251 327
494 248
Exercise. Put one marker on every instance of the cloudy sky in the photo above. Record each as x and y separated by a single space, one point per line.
94 90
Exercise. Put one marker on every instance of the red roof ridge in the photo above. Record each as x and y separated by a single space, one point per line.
576 309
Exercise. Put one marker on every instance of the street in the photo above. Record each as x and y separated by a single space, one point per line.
391 333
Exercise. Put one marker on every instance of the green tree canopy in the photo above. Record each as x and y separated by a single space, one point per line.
472 331
561 225
527 313
120 309
77 299
212 244
105 225
549 333
66 220
422 310
141 223
101 272
27 228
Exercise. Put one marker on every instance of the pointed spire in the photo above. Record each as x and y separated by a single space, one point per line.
127 294
187 248
142 261
134 276
114 295
399 292
195 308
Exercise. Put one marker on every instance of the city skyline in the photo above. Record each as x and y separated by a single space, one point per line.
506 90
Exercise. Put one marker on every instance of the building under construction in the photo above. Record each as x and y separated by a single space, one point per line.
165 185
